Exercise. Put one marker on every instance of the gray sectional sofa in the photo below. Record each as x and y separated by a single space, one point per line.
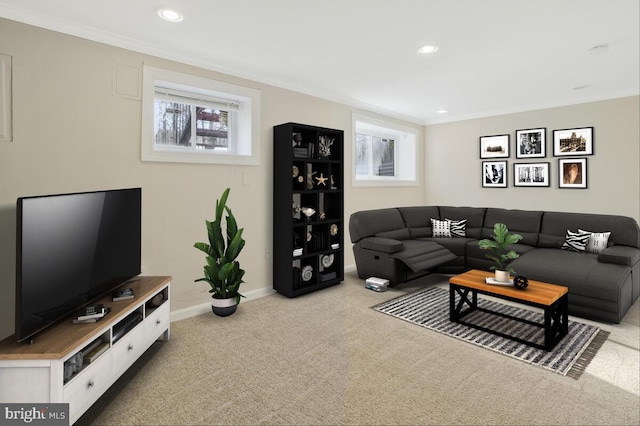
398 244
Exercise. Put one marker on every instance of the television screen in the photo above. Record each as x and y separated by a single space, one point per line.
71 249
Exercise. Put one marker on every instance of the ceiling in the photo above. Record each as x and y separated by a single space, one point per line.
494 57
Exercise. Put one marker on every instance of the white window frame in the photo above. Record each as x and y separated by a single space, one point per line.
406 152
244 102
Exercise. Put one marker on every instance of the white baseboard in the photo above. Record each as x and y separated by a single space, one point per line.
350 268
204 308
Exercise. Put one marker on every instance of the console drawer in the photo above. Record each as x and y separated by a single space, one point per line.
85 389
156 323
127 350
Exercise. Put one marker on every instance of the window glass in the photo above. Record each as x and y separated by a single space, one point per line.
384 153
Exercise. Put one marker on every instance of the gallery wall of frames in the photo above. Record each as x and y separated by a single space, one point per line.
570 146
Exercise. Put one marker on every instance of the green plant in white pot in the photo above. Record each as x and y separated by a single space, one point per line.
499 251
222 271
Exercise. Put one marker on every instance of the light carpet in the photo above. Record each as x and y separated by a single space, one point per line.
327 358
429 308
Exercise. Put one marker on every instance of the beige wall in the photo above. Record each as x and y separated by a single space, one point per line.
73 131
453 166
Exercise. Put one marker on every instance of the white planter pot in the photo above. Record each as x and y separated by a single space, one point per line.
224 307
502 276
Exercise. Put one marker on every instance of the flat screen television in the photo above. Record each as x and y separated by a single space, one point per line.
71 249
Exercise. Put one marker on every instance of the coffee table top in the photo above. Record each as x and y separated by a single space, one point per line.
536 292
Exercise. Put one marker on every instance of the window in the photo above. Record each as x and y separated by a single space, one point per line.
197 120
384 153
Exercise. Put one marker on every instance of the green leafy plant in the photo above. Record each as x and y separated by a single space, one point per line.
222 271
499 252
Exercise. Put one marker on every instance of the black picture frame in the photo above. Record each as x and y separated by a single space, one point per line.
532 174
573 142
531 143
572 173
494 174
494 146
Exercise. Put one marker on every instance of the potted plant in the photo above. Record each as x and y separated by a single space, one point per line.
499 252
222 271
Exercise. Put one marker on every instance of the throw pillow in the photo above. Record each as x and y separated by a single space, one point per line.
458 227
441 228
576 241
598 241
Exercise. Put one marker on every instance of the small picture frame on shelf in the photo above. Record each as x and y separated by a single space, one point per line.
495 146
531 143
494 174
573 142
572 173
531 174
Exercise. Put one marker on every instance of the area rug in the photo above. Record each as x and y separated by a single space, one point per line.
429 308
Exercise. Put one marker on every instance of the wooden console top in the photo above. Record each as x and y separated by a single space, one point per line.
537 292
60 339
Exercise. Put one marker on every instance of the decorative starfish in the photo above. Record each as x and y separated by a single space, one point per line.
322 180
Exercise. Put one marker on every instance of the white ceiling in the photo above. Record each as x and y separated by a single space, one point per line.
495 56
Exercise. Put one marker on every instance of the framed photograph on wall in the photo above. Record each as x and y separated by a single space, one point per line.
496 146
494 174
531 174
573 142
572 173
531 143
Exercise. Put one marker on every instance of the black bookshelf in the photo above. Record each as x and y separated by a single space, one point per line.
308 208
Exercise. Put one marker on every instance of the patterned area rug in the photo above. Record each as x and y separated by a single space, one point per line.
429 308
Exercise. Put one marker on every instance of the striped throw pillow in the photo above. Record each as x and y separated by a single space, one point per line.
458 227
576 241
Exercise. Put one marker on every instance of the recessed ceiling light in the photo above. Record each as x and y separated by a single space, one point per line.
169 15
428 49
583 86
442 111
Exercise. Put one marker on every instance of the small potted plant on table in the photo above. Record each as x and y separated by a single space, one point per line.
499 251
222 271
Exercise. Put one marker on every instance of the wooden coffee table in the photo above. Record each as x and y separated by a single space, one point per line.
550 297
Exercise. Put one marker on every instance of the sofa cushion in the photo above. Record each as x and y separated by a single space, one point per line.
624 230
473 215
455 245
421 232
367 223
581 272
419 216
523 222
385 245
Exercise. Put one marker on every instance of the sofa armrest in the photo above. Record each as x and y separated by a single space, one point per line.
620 255
385 245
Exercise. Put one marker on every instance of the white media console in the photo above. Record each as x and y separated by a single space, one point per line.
49 369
